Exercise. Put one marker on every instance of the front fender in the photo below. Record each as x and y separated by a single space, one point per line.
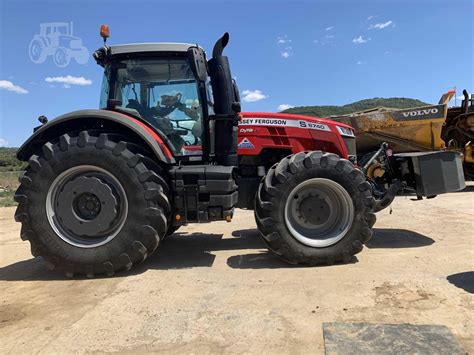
98 120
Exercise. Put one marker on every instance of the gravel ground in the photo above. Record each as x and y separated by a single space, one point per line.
214 288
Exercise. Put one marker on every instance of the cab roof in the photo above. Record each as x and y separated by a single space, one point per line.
150 47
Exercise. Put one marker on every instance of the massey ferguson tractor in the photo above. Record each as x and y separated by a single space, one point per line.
169 147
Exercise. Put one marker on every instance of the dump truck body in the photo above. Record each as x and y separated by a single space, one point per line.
418 129
413 129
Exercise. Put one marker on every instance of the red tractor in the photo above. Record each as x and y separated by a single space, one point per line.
169 147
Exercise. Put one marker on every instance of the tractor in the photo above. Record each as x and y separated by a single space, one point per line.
56 39
169 146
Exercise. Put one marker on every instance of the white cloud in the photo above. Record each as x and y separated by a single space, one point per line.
283 39
360 40
9 86
288 50
359 62
329 28
381 26
329 36
284 107
370 17
69 80
3 142
252 95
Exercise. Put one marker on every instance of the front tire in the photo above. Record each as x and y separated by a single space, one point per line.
314 208
92 205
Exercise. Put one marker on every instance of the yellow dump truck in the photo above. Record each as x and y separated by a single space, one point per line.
419 129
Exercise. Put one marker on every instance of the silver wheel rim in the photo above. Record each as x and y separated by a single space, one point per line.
61 183
319 212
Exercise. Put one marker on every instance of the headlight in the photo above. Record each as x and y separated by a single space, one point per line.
344 131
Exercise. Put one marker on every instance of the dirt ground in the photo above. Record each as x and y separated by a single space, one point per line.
214 288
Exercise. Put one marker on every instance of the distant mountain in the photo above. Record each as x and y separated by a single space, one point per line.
325 111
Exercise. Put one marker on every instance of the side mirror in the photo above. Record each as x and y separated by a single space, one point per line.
197 59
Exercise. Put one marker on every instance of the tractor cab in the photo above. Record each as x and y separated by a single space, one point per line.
169 87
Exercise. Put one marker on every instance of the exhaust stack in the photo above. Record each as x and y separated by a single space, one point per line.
220 45
226 105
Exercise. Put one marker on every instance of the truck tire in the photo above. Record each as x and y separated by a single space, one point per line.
89 204
301 184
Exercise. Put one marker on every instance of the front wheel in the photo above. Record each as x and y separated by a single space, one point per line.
314 208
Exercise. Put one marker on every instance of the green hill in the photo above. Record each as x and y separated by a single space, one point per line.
325 111
8 160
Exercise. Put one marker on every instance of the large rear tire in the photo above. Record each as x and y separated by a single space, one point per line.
90 204
314 208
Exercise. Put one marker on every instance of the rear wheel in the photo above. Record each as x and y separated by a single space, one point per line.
314 208
91 205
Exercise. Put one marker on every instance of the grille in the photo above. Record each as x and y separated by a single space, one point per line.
350 143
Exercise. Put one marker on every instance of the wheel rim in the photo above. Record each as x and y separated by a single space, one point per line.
86 206
319 212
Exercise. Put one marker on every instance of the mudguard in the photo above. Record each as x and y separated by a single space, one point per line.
96 119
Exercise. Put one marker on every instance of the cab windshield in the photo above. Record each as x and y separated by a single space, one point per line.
165 94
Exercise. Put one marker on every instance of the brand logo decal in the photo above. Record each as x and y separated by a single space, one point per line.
284 123
420 112
246 130
246 144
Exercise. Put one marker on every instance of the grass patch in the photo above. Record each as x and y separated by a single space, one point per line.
6 198
8 185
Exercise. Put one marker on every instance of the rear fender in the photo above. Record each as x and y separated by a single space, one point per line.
97 120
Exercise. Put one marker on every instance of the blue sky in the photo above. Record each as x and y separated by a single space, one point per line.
281 52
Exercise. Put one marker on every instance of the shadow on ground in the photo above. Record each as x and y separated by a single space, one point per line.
191 250
464 280
468 188
179 251
384 238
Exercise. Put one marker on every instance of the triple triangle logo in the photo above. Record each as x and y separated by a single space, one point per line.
246 144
